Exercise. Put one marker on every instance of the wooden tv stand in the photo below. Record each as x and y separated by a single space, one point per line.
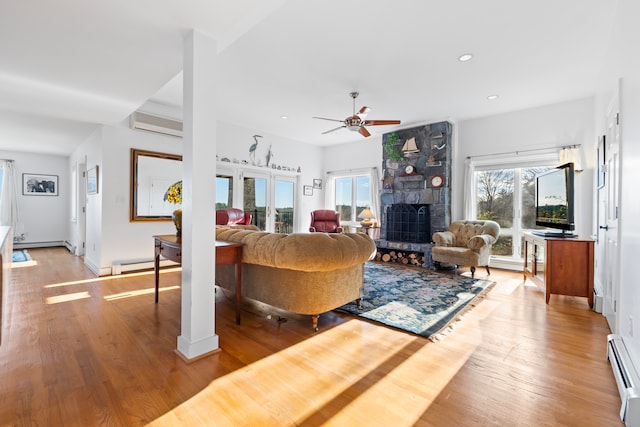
562 266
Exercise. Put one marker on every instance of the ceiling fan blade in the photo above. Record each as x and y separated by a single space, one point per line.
334 129
363 112
381 122
364 132
331 120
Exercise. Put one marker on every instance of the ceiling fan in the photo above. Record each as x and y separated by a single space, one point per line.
357 122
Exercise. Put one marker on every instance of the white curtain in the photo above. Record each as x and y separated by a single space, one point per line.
375 193
9 214
468 207
329 189
573 154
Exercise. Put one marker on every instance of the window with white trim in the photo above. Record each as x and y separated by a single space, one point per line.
352 195
504 191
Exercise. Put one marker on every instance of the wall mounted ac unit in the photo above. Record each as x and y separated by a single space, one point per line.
152 123
626 379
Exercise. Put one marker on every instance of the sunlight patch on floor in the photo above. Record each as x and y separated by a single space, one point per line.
105 278
67 297
22 264
371 366
138 292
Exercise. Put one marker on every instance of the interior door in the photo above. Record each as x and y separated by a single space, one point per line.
81 201
599 273
611 209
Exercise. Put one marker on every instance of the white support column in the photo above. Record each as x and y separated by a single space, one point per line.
198 335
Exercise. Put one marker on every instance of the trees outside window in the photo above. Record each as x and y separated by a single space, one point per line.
507 196
352 196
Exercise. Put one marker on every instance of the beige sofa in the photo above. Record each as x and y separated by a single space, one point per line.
302 273
466 243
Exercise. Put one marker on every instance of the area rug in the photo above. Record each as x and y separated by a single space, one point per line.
416 300
21 259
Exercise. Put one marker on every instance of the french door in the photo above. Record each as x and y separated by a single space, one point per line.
270 200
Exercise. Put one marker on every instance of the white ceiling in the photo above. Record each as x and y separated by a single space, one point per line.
68 65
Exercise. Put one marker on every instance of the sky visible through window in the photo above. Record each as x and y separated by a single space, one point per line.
344 188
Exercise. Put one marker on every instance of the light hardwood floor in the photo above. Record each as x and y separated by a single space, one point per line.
82 351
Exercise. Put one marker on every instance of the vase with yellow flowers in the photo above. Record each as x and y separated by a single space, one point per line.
174 195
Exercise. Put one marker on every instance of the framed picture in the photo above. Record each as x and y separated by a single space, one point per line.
92 180
34 184
601 161
308 190
317 183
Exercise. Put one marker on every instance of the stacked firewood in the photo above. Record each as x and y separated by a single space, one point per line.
400 257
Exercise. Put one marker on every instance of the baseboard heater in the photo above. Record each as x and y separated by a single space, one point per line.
626 379
31 245
119 267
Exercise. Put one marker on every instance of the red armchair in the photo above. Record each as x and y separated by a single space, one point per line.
232 216
325 221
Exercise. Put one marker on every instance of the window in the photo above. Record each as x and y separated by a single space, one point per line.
224 191
507 196
284 205
352 196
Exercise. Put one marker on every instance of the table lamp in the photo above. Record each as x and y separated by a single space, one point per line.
366 216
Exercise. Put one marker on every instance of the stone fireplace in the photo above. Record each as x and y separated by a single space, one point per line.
415 193
408 223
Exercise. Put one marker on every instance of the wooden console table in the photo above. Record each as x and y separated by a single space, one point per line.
170 247
562 266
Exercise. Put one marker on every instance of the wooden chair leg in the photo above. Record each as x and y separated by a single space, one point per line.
473 270
314 320
488 272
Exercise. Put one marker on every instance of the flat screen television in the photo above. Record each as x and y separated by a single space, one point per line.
554 201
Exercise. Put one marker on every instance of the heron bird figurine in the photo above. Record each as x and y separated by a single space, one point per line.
253 148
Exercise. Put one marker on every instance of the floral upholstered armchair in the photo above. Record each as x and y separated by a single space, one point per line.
466 243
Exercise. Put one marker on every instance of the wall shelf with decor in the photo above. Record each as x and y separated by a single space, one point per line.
262 169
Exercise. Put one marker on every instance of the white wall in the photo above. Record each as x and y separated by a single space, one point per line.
234 142
555 125
110 236
619 64
44 219
362 153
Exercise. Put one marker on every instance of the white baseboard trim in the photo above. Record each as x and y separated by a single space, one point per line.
30 245
506 264
598 296
93 267
123 266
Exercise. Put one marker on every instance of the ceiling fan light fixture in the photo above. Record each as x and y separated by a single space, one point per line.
357 122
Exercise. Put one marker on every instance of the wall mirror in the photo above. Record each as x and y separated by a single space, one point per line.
151 175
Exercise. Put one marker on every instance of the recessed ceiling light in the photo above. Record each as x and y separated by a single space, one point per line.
465 57
284 117
492 97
